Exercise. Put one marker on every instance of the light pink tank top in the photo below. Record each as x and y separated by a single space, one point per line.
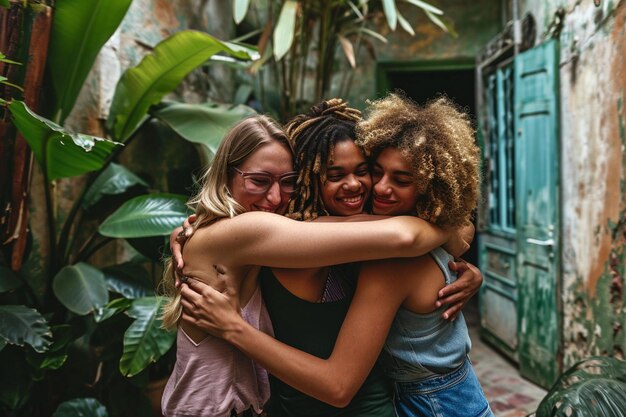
212 378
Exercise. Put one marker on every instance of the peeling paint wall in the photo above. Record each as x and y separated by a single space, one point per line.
593 171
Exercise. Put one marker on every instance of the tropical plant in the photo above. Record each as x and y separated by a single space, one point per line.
299 40
594 387
72 333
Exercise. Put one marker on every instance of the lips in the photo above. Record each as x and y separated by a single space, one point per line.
352 202
266 209
383 202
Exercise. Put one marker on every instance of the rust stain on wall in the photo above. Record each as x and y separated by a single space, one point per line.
164 14
604 318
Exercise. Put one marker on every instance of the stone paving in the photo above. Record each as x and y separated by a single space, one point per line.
508 393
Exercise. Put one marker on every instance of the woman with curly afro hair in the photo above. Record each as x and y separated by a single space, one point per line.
426 164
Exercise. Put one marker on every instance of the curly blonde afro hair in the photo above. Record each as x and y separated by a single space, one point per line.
313 136
437 142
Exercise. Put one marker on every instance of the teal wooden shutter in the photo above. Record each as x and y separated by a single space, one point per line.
537 188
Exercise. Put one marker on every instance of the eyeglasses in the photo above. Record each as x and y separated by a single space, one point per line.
261 182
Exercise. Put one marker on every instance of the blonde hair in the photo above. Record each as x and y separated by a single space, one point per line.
437 141
214 201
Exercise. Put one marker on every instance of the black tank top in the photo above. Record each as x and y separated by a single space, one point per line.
313 328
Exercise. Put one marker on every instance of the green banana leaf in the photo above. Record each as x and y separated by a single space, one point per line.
115 179
60 152
20 325
159 73
145 341
83 407
81 288
240 9
285 28
114 307
79 30
145 216
129 280
205 124
56 356
8 280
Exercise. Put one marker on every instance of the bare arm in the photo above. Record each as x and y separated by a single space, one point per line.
334 380
268 239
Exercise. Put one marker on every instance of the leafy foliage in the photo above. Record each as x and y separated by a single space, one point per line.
60 152
306 35
81 288
81 407
145 216
114 179
594 387
144 341
205 124
158 74
71 56
20 325
72 326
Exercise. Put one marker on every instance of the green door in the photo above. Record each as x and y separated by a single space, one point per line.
537 195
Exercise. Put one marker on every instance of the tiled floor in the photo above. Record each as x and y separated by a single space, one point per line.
508 393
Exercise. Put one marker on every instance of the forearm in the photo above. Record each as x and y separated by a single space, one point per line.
319 378
265 239
330 244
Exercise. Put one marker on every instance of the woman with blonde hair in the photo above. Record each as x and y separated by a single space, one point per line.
426 165
239 227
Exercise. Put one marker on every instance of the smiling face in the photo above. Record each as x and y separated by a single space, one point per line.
348 181
273 158
395 191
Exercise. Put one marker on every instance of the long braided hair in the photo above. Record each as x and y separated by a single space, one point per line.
313 136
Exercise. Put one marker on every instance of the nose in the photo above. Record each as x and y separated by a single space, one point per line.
352 183
382 186
273 194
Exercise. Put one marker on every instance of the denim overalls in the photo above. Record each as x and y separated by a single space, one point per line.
426 357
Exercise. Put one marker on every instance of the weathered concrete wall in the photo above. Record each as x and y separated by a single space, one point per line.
593 171
475 23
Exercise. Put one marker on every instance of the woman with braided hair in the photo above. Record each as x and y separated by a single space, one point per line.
308 306
317 137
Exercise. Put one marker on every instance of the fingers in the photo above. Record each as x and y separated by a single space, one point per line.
452 312
189 221
453 298
176 248
459 266
450 289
